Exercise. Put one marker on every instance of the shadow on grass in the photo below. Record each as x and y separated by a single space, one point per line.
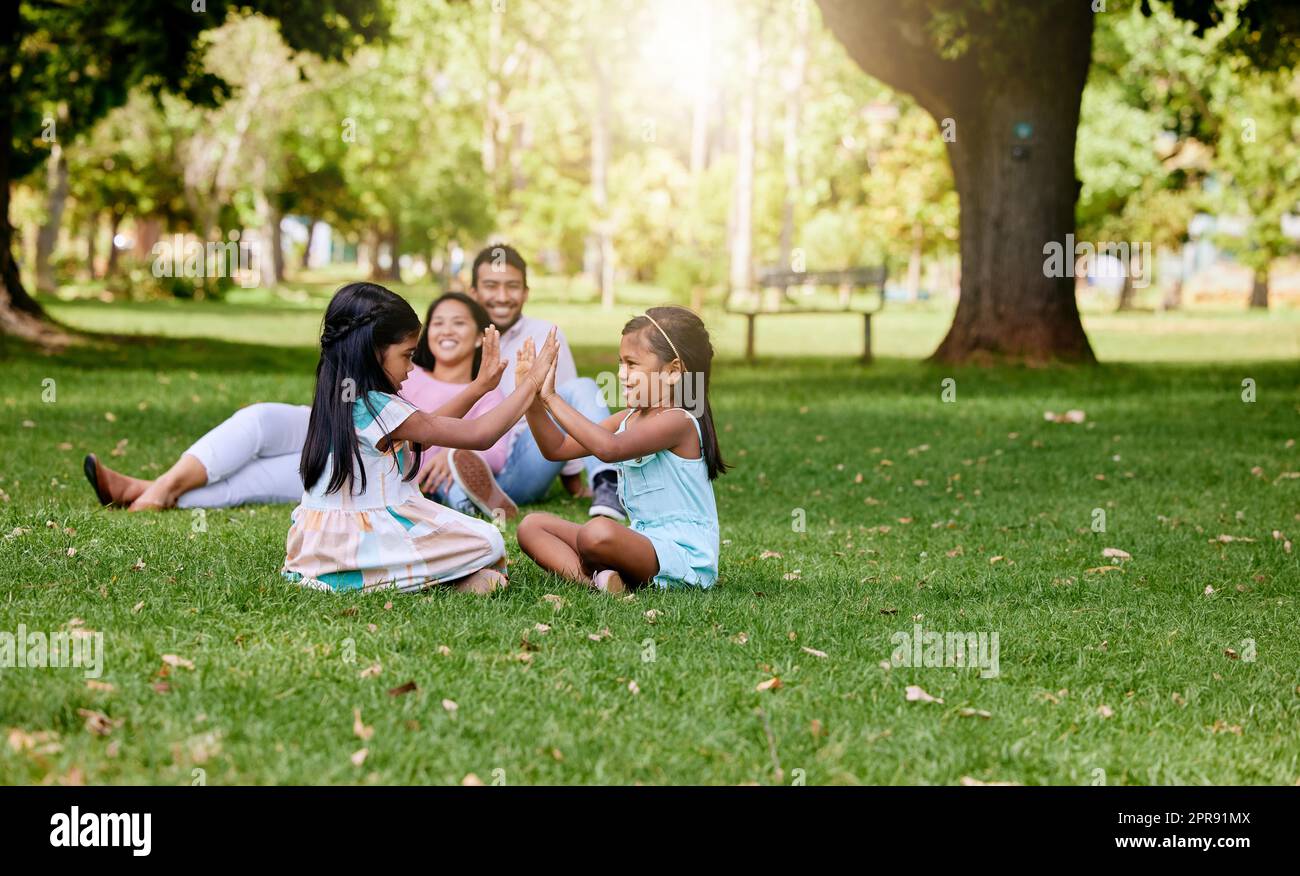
790 380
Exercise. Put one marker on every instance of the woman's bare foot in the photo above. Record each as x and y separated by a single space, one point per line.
482 582
187 474
112 488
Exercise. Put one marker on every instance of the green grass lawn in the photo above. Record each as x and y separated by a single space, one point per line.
970 516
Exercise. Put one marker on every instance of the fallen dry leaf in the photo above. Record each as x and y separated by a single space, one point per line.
1116 553
401 689
178 662
973 782
634 687
772 683
98 723
102 686
359 757
542 628
814 652
359 728
769 555
41 742
471 781
372 671
450 706
974 713
600 636
1105 711
916 694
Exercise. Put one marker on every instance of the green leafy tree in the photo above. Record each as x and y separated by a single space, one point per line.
1010 76
87 56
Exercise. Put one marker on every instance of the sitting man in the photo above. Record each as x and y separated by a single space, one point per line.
499 280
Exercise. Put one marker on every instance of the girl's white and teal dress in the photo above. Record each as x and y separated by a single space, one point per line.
669 499
390 536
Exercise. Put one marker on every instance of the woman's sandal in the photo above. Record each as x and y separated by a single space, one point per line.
90 468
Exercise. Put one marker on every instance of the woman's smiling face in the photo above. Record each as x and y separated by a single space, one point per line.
453 333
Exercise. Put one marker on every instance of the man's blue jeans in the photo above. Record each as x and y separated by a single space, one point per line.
528 475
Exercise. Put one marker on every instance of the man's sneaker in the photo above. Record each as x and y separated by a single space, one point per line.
473 475
604 497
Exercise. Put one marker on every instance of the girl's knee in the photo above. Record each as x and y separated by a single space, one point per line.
597 537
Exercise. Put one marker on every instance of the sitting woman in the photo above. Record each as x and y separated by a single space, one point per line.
253 456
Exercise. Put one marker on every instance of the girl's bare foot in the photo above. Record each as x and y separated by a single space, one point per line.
112 488
482 582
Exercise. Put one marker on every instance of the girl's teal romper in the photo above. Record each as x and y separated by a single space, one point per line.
669 500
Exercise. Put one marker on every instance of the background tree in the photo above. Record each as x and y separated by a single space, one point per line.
1011 76
1259 157
87 55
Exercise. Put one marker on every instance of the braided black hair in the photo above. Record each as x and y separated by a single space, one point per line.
361 320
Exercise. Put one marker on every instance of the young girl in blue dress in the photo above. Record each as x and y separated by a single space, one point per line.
666 449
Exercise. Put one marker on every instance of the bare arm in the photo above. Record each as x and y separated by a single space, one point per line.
661 432
553 443
482 432
490 370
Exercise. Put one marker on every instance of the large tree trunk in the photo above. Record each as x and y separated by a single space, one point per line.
56 197
1017 195
1259 289
20 315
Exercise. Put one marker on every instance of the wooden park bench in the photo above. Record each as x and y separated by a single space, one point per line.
851 285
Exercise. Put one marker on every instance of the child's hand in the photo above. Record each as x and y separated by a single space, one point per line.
492 365
435 473
524 361
548 385
545 360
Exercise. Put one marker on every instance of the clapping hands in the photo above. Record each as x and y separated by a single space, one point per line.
538 368
491 365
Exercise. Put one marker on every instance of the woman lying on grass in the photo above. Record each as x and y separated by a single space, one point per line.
666 448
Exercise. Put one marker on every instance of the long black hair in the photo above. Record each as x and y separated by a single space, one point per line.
361 320
424 358
695 350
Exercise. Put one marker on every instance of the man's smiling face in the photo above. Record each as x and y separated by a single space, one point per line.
501 291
